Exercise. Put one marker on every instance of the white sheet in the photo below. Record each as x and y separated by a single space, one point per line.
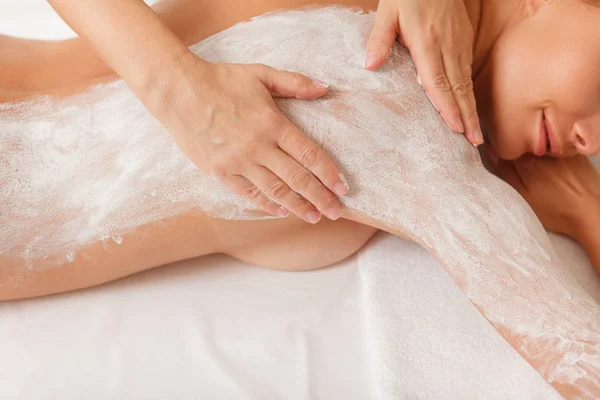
216 328
212 328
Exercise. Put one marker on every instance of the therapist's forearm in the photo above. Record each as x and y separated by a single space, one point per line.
129 37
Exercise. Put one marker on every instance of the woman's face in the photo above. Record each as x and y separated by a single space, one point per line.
543 82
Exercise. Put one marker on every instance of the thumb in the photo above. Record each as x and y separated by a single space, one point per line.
290 84
381 39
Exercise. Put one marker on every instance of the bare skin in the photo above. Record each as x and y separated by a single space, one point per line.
267 243
190 20
30 67
289 244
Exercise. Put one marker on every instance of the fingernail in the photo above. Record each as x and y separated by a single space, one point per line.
371 59
478 136
458 126
313 217
282 212
320 84
334 213
341 188
421 83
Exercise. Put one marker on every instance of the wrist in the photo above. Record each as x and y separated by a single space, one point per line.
159 86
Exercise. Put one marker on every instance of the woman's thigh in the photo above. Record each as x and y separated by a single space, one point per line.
289 244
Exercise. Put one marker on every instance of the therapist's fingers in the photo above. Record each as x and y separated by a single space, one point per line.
303 182
288 84
280 192
316 160
458 71
247 190
382 37
433 78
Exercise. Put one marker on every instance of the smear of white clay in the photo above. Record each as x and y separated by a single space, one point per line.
97 165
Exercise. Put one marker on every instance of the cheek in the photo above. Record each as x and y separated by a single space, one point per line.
523 79
511 105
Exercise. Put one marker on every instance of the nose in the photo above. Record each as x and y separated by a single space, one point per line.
587 139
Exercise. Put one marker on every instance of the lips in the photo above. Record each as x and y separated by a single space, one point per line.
548 142
555 148
543 141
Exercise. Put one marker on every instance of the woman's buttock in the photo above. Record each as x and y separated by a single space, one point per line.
292 244
287 244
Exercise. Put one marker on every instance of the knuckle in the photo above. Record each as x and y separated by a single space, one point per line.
301 179
221 164
251 146
271 120
299 80
464 88
235 155
309 155
251 193
431 36
277 190
453 35
219 171
468 81
459 89
440 82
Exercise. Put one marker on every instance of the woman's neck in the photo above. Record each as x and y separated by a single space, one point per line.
489 19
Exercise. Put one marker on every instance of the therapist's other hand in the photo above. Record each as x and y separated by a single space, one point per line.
439 36
224 119
564 193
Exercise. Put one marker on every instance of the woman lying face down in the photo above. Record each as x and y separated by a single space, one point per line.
407 175
504 48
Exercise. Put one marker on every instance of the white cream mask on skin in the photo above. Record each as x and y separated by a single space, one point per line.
96 166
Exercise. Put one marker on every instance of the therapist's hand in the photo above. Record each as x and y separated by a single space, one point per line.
222 116
224 119
564 193
439 35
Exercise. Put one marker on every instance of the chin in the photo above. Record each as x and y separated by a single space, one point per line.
503 148
508 155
